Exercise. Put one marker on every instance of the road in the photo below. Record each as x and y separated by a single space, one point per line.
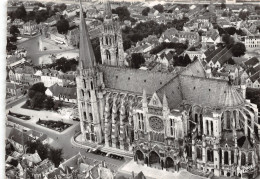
33 52
63 140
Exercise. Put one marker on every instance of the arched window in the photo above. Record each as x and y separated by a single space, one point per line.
91 84
211 127
199 153
210 155
84 81
106 40
89 94
84 115
196 118
249 158
82 92
91 117
108 56
226 158
243 159
110 41
232 157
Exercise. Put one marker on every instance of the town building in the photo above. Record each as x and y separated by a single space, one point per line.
13 89
30 28
173 35
167 120
252 42
62 93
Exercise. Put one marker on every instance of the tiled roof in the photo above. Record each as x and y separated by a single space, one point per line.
13 85
35 158
213 53
19 136
132 80
256 76
70 93
252 61
199 90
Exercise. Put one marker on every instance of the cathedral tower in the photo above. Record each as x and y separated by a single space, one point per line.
111 42
89 88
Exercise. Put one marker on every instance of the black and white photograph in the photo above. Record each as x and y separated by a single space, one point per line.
130 89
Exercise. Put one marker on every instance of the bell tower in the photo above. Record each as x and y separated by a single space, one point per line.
111 42
89 88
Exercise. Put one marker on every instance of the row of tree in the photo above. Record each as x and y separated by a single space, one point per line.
144 29
237 48
36 14
64 64
179 47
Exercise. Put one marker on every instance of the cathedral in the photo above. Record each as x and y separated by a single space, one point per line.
166 120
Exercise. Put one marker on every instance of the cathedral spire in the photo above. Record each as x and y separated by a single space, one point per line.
107 10
86 53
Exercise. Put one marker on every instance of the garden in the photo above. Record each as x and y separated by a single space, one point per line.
21 116
59 126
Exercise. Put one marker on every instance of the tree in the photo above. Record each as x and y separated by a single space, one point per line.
37 100
55 155
63 7
41 16
186 60
223 6
227 39
20 12
230 30
145 11
49 103
159 8
63 26
12 38
38 87
14 30
238 49
136 60
243 15
123 13
9 46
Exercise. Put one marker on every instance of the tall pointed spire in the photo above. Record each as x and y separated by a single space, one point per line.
107 10
86 53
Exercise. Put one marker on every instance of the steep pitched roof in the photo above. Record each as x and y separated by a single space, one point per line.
252 61
132 80
86 53
57 90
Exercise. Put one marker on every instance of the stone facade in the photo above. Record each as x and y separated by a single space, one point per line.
111 42
167 120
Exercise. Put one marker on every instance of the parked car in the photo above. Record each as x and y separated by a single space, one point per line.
76 119
98 152
116 157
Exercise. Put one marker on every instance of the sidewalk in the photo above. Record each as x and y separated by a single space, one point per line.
156 173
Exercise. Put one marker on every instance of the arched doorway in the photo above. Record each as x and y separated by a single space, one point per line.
139 156
154 160
93 137
169 164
